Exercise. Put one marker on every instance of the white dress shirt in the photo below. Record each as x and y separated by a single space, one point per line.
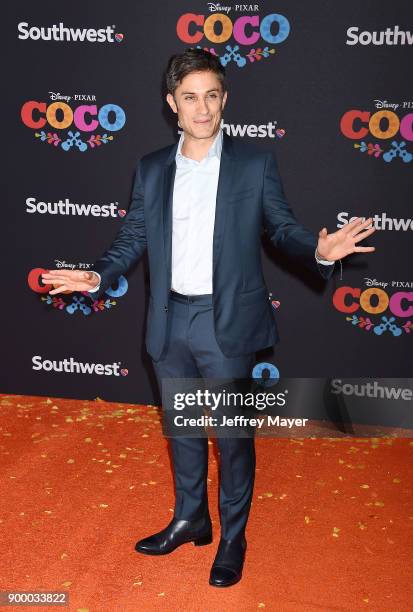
193 216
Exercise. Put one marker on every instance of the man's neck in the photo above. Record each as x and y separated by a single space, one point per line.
197 148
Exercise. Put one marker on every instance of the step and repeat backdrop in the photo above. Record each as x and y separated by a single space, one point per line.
325 85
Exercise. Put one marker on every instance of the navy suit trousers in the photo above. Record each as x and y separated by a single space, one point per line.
191 351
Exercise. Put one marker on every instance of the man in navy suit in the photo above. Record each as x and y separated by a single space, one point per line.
198 206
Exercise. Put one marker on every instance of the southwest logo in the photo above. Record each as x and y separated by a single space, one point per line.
61 33
70 366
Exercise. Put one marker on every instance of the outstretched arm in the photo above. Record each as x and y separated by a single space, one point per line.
128 246
284 231
298 242
130 242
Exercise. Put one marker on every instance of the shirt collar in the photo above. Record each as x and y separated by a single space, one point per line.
214 150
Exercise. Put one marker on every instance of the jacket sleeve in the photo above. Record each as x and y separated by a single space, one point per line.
283 229
130 242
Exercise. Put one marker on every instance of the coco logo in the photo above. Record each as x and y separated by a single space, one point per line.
82 121
393 132
394 307
246 30
71 302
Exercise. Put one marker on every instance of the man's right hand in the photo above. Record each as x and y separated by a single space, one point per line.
70 280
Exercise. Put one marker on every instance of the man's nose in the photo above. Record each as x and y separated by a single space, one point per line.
202 106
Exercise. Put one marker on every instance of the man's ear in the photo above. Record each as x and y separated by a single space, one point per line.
171 102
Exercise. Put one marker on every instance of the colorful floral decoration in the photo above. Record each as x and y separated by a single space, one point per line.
233 54
387 324
48 137
96 141
76 302
397 149
73 140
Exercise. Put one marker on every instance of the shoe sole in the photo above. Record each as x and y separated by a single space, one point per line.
203 541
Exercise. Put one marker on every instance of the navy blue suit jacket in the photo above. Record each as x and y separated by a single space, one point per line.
250 196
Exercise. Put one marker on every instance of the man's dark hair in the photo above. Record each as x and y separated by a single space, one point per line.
192 60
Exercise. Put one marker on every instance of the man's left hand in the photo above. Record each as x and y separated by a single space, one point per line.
344 241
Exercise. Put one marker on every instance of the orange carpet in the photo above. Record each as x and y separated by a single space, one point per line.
81 481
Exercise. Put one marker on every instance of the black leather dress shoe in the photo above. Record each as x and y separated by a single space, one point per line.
229 561
179 531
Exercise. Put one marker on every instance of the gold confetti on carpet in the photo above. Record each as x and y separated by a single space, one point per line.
331 524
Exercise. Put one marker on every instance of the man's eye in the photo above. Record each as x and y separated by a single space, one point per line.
213 95
189 98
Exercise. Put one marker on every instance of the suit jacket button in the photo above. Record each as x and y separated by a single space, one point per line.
165 308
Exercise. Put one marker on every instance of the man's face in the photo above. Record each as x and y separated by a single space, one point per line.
199 102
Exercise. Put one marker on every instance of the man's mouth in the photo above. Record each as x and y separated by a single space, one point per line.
204 121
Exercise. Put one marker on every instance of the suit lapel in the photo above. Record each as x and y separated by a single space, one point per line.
168 189
226 181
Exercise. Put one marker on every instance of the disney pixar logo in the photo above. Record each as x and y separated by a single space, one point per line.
78 127
242 39
392 301
386 133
